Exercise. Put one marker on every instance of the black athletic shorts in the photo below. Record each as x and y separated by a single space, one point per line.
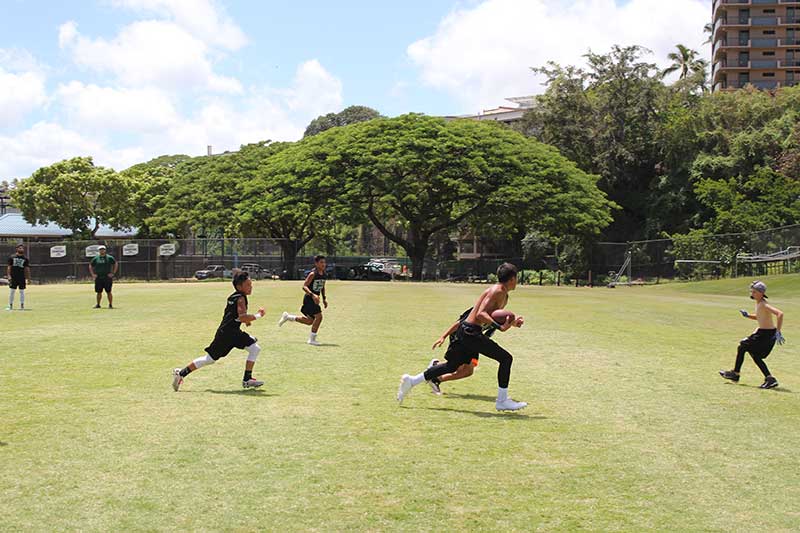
17 283
460 354
760 343
225 341
103 283
310 309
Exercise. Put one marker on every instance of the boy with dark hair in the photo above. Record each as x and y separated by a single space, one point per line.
314 289
229 336
470 341
760 343
18 272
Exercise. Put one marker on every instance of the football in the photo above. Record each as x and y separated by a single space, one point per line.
501 315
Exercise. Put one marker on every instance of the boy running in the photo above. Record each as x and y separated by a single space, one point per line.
18 272
314 289
229 336
763 339
470 341
466 369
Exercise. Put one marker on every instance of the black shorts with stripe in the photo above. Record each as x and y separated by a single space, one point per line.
225 341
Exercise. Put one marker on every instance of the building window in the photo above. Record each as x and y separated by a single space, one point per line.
769 74
769 11
769 32
769 54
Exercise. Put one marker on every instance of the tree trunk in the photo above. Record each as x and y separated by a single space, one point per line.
417 253
289 249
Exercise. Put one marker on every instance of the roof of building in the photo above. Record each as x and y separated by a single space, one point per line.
14 225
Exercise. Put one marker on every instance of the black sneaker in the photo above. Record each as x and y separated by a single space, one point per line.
96 306
110 306
769 383
729 374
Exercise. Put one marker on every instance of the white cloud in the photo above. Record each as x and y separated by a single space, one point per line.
47 142
124 110
124 126
205 19
22 86
149 52
482 54
19 95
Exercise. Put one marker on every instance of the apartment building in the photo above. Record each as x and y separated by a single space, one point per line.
755 42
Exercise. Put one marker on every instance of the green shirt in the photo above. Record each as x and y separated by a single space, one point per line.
103 265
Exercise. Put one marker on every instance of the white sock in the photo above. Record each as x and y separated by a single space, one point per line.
291 318
22 297
11 297
419 378
502 395
313 336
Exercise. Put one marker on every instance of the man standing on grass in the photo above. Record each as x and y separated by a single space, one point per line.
471 340
763 339
19 275
103 267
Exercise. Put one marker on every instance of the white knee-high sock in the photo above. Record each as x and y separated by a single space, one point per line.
502 395
22 296
11 296
419 378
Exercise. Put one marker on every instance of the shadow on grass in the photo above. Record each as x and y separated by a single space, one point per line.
484 414
776 389
481 397
245 392
3 443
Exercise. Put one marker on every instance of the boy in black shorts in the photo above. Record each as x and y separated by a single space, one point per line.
760 343
229 336
466 369
314 289
19 275
470 341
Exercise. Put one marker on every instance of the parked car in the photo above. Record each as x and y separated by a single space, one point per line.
256 271
330 271
212 271
371 271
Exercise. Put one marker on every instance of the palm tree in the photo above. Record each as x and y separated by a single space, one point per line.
709 29
686 61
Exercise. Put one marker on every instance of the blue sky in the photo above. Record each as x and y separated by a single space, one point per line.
127 80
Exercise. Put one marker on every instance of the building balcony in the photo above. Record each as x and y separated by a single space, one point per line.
722 4
758 84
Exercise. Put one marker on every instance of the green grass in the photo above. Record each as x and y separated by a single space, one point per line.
629 428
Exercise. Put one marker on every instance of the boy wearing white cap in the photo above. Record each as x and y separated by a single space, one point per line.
103 268
763 339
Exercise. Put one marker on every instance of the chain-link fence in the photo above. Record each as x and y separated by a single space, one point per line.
697 256
693 256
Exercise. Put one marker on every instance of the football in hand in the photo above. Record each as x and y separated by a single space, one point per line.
501 315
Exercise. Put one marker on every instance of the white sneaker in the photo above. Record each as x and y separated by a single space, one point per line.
314 342
252 384
433 363
405 387
284 318
510 405
177 379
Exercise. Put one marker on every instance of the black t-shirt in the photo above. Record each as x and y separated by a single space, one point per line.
230 318
18 264
317 282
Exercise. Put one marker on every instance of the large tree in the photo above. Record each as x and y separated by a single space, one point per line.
77 195
350 115
294 195
430 175
151 183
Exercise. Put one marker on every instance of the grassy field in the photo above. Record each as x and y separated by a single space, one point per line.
629 427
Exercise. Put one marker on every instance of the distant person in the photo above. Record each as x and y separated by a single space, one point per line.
230 335
314 289
103 268
760 343
18 272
